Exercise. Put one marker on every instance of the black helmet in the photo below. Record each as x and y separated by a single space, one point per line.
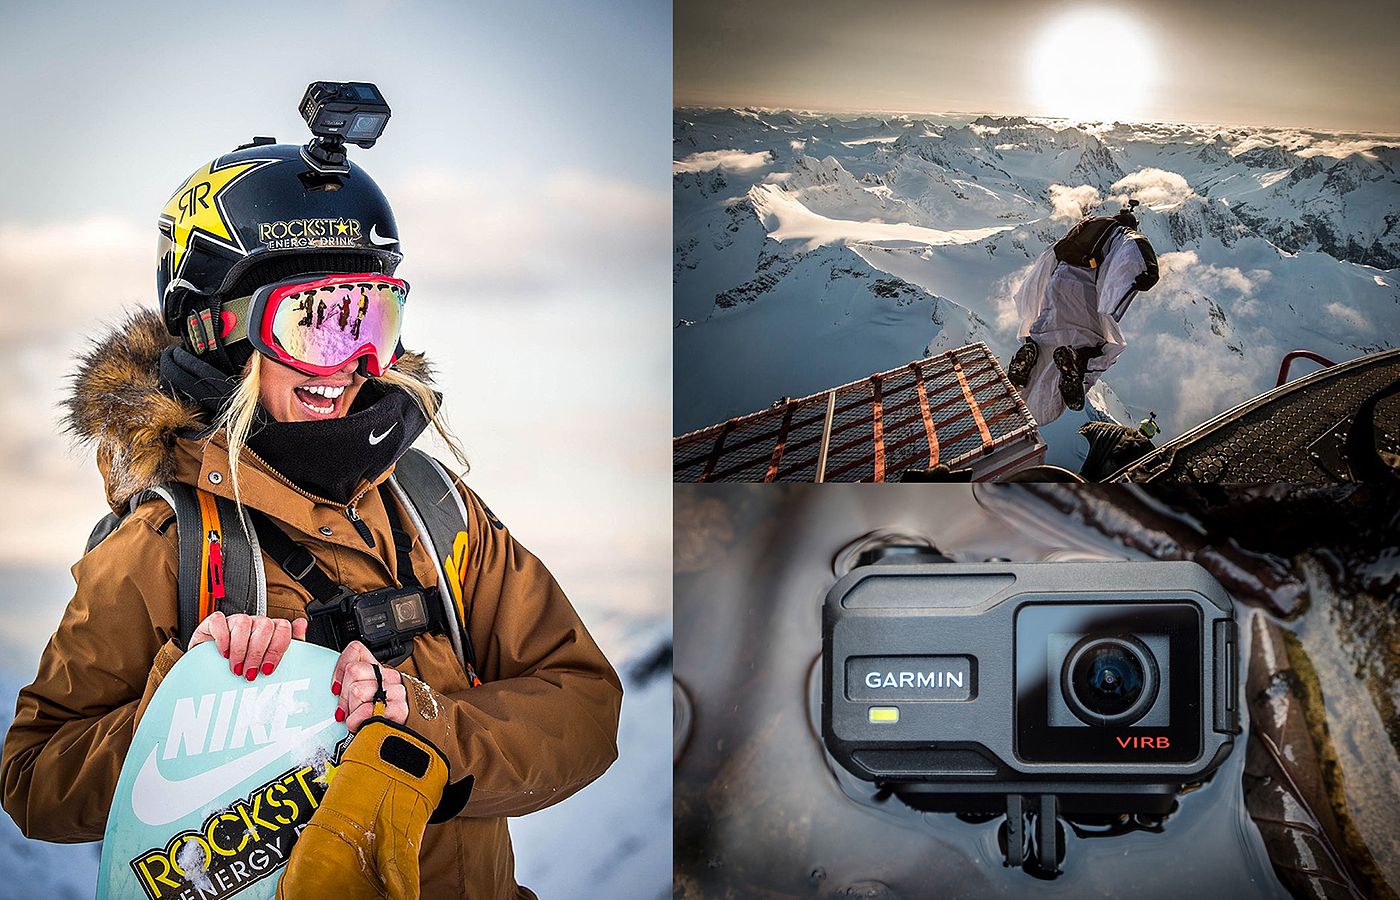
261 214
1125 215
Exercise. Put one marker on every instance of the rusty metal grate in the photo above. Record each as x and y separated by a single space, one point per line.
951 409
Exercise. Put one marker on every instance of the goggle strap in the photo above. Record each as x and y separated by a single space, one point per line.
200 327
233 325
237 310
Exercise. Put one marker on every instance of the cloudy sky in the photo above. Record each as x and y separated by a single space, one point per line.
528 164
1277 63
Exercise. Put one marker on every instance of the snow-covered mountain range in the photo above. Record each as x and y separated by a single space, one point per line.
814 249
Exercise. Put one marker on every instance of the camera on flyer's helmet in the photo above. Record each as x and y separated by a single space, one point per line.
1125 215
263 213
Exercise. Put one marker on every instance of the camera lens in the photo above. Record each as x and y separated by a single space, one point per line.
1110 680
1107 679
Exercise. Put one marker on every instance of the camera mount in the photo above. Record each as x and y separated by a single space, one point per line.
337 113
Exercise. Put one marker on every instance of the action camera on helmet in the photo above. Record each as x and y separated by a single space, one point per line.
1094 687
339 113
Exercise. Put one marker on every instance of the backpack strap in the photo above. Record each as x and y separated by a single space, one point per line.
333 613
221 549
429 495
105 526
1083 244
218 568
403 541
188 528
1096 254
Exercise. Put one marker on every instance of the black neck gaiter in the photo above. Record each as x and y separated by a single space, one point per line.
329 457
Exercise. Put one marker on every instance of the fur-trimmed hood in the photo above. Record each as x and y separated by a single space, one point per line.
118 404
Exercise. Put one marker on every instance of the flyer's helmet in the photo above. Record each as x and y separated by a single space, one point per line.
259 215
1125 215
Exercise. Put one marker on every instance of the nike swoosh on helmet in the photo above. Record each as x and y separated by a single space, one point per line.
378 239
157 801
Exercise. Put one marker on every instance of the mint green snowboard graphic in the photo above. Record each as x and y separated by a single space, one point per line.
221 777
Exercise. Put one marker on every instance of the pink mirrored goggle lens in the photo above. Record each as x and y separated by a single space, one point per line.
324 324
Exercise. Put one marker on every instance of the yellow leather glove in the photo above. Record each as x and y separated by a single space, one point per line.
362 842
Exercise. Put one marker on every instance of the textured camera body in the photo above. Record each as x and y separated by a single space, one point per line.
957 684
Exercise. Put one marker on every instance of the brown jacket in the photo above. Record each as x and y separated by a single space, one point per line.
541 726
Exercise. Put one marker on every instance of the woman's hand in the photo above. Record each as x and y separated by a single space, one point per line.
355 683
249 643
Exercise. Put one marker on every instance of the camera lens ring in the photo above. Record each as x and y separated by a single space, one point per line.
1115 659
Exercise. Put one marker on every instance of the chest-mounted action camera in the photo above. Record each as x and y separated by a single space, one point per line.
339 113
1084 687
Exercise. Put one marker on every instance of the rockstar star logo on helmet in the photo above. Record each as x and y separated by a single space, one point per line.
195 207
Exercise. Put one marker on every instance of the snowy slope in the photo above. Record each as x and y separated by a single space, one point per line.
811 250
612 839
34 868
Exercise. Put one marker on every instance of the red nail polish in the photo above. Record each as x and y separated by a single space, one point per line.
335 688
225 654
238 668
252 673
339 715
267 668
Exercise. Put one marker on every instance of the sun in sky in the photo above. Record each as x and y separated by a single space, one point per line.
1093 64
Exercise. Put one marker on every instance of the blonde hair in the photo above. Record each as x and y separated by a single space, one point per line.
237 417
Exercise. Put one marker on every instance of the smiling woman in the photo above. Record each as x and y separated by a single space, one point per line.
1065 84
272 383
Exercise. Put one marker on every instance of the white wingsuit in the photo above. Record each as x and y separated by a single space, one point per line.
1062 305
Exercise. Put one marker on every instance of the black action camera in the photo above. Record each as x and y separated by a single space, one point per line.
386 621
964 687
339 113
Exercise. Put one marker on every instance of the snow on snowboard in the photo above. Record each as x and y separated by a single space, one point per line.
221 777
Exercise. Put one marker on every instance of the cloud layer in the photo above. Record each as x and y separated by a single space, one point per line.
1073 203
729 160
1152 187
1184 271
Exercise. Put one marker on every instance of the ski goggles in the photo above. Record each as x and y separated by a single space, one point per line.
316 327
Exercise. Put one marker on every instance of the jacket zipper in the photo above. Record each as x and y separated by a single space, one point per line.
350 512
359 524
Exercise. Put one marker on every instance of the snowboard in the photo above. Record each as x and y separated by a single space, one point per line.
222 776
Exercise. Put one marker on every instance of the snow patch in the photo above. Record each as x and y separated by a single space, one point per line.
1102 400
787 219
195 864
